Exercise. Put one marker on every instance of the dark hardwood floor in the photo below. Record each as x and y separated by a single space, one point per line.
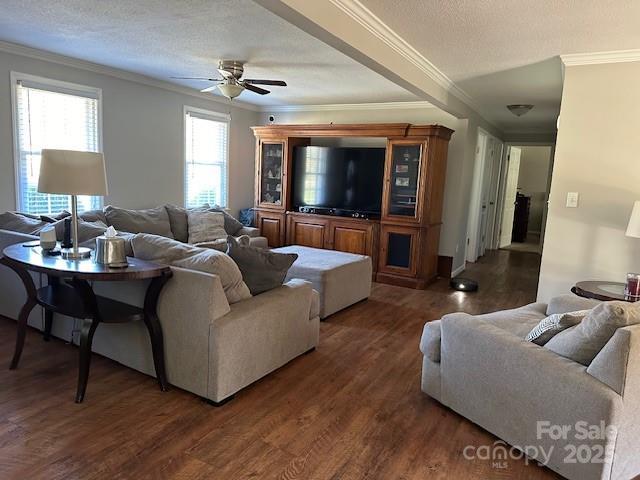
353 409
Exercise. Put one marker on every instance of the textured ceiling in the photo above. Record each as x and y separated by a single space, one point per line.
186 38
502 52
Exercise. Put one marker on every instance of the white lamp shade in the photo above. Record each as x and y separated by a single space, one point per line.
633 229
70 172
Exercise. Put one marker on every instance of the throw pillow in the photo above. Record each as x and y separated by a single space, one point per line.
21 224
231 225
153 220
179 222
93 216
159 249
55 217
584 341
205 226
261 269
218 263
552 325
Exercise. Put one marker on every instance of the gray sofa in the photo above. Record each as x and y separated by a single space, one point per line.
481 367
212 349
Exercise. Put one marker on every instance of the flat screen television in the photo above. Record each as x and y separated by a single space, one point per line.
344 178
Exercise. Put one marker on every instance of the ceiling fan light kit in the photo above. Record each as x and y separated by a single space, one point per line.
519 109
231 85
230 90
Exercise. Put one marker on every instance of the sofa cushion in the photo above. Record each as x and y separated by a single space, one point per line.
86 230
165 250
550 326
179 221
231 225
261 269
152 220
205 226
518 321
570 303
16 222
584 341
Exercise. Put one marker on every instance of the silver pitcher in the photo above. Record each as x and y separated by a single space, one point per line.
110 251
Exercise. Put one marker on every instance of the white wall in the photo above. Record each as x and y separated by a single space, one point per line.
459 164
596 155
532 181
142 136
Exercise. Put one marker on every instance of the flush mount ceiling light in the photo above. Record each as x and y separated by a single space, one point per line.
519 109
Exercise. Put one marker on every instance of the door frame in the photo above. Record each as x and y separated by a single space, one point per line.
475 205
503 181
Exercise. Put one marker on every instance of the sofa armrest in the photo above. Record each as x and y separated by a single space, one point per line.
249 231
259 335
8 237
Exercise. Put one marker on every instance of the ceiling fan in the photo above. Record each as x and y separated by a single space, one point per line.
231 84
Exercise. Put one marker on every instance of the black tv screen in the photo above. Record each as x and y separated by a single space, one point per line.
342 178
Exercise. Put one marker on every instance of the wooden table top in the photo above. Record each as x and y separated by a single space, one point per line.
32 258
602 290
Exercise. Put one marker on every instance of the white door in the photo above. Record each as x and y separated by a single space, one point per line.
511 188
493 217
486 194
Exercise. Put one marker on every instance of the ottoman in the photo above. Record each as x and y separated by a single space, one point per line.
340 278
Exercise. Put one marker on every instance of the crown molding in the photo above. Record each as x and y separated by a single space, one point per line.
367 19
347 106
47 56
618 56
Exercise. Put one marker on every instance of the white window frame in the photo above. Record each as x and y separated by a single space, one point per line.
54 85
218 117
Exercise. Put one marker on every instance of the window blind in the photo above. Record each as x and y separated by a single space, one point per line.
52 118
206 157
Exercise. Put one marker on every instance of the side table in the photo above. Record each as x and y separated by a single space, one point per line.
69 293
602 290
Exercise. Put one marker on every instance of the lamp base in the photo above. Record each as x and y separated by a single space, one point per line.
82 254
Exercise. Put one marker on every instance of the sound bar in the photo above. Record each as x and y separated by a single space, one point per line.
338 212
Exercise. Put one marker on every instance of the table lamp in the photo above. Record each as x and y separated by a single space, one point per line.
70 172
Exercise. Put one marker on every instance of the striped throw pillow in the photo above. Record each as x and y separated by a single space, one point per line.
552 325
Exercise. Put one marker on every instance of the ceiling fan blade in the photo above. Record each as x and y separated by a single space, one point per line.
197 78
255 89
278 83
209 89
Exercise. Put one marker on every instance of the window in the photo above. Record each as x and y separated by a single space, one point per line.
51 114
206 157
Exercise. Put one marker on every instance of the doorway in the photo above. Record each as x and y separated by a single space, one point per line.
483 213
525 193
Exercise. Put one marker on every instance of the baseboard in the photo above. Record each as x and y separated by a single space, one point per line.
458 270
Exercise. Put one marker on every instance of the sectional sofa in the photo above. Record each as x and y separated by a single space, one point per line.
212 348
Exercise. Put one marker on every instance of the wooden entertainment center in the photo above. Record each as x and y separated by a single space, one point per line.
403 243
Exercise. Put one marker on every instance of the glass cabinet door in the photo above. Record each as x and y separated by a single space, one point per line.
405 179
271 173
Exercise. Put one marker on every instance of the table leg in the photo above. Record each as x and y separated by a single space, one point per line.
89 326
48 314
155 329
27 281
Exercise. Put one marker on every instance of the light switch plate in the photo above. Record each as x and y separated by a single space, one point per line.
572 199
